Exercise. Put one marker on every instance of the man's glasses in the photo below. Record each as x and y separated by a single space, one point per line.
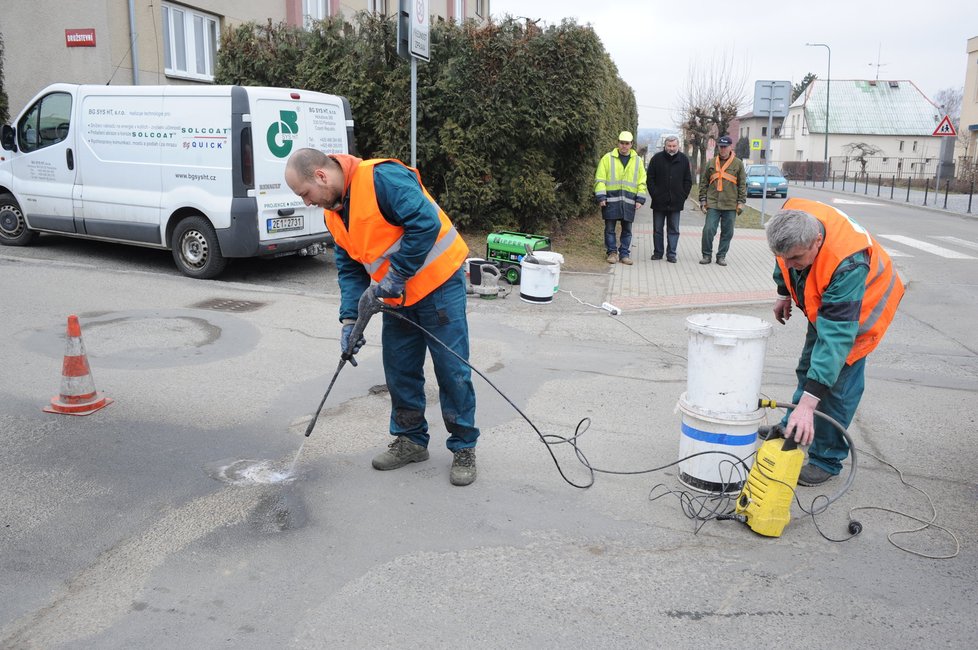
623 142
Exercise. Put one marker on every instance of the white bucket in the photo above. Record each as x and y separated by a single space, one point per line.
725 362
557 259
538 282
731 439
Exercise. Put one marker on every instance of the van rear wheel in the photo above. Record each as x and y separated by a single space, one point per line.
196 249
13 226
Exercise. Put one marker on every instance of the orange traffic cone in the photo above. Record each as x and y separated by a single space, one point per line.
78 396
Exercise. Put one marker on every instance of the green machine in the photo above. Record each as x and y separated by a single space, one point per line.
507 249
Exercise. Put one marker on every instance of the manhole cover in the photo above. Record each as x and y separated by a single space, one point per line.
227 304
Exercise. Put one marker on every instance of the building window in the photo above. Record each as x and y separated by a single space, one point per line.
763 154
377 7
914 145
313 10
777 132
763 131
901 146
190 40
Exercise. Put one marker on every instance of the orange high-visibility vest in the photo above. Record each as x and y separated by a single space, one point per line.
844 237
721 174
371 239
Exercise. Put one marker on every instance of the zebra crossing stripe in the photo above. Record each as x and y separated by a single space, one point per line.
940 251
957 241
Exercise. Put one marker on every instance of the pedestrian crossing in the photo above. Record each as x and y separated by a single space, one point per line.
928 247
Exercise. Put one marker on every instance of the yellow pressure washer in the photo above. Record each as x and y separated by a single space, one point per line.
765 499
764 503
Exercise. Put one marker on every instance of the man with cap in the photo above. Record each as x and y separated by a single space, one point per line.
723 193
619 188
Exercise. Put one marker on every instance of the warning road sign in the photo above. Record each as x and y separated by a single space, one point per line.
945 127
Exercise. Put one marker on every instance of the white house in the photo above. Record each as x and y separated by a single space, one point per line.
892 116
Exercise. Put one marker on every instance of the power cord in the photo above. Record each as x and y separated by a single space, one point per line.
709 507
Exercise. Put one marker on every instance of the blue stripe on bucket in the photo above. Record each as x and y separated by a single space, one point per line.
727 439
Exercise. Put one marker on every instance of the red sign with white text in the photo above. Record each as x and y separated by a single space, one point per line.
80 37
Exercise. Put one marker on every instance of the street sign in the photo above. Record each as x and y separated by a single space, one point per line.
772 98
755 145
419 29
945 128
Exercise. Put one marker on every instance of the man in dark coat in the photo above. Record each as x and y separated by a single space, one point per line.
669 182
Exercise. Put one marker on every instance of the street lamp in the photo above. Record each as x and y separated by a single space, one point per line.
828 81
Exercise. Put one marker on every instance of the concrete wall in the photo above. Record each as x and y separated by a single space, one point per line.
36 54
967 140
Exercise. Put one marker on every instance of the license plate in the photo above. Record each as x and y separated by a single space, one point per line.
284 224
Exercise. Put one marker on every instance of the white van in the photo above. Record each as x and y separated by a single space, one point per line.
198 170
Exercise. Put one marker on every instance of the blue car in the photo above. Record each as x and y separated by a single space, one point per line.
777 184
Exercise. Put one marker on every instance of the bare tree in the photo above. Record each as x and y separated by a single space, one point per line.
865 152
949 99
712 98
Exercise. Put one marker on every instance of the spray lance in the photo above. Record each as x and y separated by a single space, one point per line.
368 305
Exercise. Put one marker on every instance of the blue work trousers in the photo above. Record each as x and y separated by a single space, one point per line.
442 314
670 220
725 219
829 447
626 237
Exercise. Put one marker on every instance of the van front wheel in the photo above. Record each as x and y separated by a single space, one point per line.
13 226
196 249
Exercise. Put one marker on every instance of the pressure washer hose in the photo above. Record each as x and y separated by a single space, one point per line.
850 477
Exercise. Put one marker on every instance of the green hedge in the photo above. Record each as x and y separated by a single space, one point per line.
512 118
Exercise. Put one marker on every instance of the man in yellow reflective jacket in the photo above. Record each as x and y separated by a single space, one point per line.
619 188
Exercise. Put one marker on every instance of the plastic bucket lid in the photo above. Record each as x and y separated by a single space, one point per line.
729 325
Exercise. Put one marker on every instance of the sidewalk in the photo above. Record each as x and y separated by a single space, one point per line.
658 284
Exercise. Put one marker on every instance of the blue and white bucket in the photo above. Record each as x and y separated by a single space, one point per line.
721 447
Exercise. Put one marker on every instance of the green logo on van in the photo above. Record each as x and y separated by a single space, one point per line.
281 134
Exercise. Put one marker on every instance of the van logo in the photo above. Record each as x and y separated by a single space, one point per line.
281 134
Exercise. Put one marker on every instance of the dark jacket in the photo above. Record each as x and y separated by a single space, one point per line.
669 181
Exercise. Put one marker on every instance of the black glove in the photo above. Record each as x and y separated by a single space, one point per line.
392 286
345 343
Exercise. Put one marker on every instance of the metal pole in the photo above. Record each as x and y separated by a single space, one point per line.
947 187
414 112
971 195
926 189
879 184
908 191
767 161
892 185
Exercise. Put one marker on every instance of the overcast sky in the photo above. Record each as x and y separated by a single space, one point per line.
654 42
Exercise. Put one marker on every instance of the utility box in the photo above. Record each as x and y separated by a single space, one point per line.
507 249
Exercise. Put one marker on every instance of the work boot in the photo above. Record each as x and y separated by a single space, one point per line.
626 260
399 453
656 257
722 261
813 475
613 257
463 467
671 260
706 260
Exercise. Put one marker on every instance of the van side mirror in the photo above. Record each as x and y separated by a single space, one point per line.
7 137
